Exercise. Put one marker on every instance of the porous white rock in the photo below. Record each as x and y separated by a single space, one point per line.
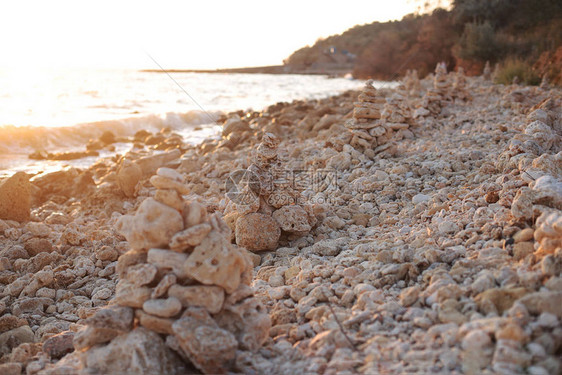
153 225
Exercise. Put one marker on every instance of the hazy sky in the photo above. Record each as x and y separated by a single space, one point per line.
178 34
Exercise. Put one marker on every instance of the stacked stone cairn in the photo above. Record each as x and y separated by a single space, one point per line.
437 97
537 155
376 122
459 90
184 291
267 206
496 72
365 125
441 82
411 82
544 82
487 73
396 119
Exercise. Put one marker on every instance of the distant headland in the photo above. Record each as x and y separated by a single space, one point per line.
334 70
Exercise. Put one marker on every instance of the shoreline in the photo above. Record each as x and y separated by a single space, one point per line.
434 253
270 69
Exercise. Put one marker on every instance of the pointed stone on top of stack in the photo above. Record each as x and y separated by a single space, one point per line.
487 73
459 89
441 82
496 72
544 82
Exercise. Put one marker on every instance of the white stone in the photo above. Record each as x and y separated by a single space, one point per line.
169 173
420 198
153 225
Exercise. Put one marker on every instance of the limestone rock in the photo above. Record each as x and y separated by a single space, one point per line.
549 232
12 338
499 299
477 351
523 235
163 285
114 317
170 198
164 308
59 345
234 125
131 295
248 320
106 253
129 259
9 322
169 173
141 274
139 352
168 260
150 164
38 229
155 323
91 336
192 236
167 183
194 213
541 302
257 232
11 368
292 219
522 249
153 225
409 296
209 347
15 198
128 176
512 332
216 262
209 297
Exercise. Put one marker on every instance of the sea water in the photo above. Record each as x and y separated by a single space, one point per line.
60 110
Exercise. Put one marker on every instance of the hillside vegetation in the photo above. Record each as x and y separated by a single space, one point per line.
510 33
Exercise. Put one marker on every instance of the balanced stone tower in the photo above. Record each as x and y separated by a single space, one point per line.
377 122
263 204
184 292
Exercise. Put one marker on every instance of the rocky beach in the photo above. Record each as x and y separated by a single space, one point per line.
381 231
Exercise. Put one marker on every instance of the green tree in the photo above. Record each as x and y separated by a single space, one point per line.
479 42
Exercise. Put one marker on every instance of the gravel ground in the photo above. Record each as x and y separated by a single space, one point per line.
440 252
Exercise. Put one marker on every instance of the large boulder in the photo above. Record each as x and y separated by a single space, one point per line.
15 198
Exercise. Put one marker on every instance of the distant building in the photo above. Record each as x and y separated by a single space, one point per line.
333 55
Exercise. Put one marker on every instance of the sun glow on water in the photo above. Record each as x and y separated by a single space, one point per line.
67 97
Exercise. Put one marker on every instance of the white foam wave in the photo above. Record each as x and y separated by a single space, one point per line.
25 139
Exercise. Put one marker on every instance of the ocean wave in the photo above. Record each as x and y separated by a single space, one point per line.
26 139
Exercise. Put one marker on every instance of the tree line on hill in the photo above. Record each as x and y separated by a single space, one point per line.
524 37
